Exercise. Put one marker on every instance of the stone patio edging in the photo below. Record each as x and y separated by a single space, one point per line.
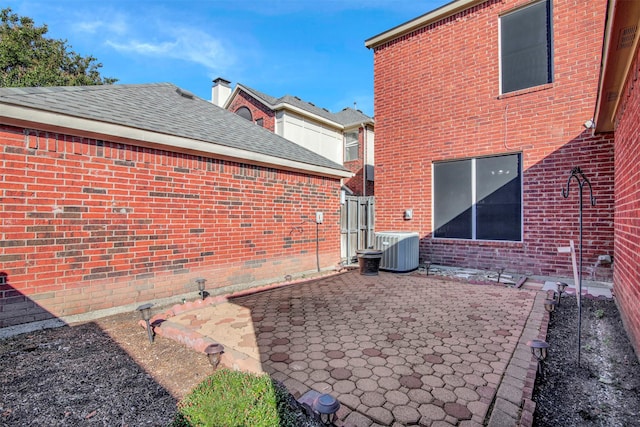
513 404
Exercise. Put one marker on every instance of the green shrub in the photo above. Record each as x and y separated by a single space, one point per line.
234 399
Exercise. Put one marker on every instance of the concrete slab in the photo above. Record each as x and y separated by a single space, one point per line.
589 289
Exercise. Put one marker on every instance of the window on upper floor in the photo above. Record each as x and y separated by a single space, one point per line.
478 199
244 112
526 47
351 146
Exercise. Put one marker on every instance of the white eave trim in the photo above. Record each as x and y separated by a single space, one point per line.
421 21
56 122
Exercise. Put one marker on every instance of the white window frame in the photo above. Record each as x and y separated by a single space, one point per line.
350 144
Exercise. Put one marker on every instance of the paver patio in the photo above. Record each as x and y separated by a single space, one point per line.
393 349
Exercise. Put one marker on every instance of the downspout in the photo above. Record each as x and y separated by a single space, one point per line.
364 159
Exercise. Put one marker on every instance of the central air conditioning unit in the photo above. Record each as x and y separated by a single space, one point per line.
400 250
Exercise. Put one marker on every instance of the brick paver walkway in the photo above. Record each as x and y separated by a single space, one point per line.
393 349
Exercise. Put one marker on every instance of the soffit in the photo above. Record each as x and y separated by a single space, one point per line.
618 52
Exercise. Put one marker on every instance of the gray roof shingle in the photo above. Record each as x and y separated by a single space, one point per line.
162 108
347 117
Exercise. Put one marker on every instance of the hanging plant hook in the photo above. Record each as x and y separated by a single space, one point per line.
581 179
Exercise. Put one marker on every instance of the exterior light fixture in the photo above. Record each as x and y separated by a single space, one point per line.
201 281
214 354
550 305
427 266
145 313
326 406
539 351
561 288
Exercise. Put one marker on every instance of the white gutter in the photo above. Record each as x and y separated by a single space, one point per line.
421 21
60 123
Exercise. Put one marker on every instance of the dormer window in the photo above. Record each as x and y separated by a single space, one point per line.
245 113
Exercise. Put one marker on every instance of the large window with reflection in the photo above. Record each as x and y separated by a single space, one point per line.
478 199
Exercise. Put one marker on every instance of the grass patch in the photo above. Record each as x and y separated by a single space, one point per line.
233 399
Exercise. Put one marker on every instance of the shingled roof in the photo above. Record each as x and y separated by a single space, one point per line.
345 118
162 108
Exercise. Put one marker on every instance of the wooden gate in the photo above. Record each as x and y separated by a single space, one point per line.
356 226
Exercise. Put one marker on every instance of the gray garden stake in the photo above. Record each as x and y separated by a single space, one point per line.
581 180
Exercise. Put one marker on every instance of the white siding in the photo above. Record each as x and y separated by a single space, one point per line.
316 137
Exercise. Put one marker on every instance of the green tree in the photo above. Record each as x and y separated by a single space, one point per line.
28 58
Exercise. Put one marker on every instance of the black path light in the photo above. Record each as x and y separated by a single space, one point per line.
581 179
201 281
326 407
561 288
214 354
145 313
539 351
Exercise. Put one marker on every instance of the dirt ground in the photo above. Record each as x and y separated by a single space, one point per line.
107 373
605 389
99 373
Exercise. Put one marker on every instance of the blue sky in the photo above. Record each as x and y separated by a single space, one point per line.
313 49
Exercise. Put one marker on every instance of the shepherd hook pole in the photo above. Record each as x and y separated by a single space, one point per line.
581 179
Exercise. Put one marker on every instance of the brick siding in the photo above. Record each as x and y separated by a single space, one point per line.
355 183
627 199
89 224
257 108
437 98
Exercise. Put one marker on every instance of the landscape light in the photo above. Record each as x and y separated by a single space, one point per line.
145 313
201 281
326 406
561 288
214 354
539 351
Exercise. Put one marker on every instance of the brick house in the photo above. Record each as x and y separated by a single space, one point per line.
345 137
481 108
618 111
114 195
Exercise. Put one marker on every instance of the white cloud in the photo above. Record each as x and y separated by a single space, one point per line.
116 24
183 43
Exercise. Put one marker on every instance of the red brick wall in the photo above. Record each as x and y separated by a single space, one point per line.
437 98
258 110
627 198
356 183
88 224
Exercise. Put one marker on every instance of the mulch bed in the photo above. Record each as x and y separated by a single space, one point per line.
604 390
